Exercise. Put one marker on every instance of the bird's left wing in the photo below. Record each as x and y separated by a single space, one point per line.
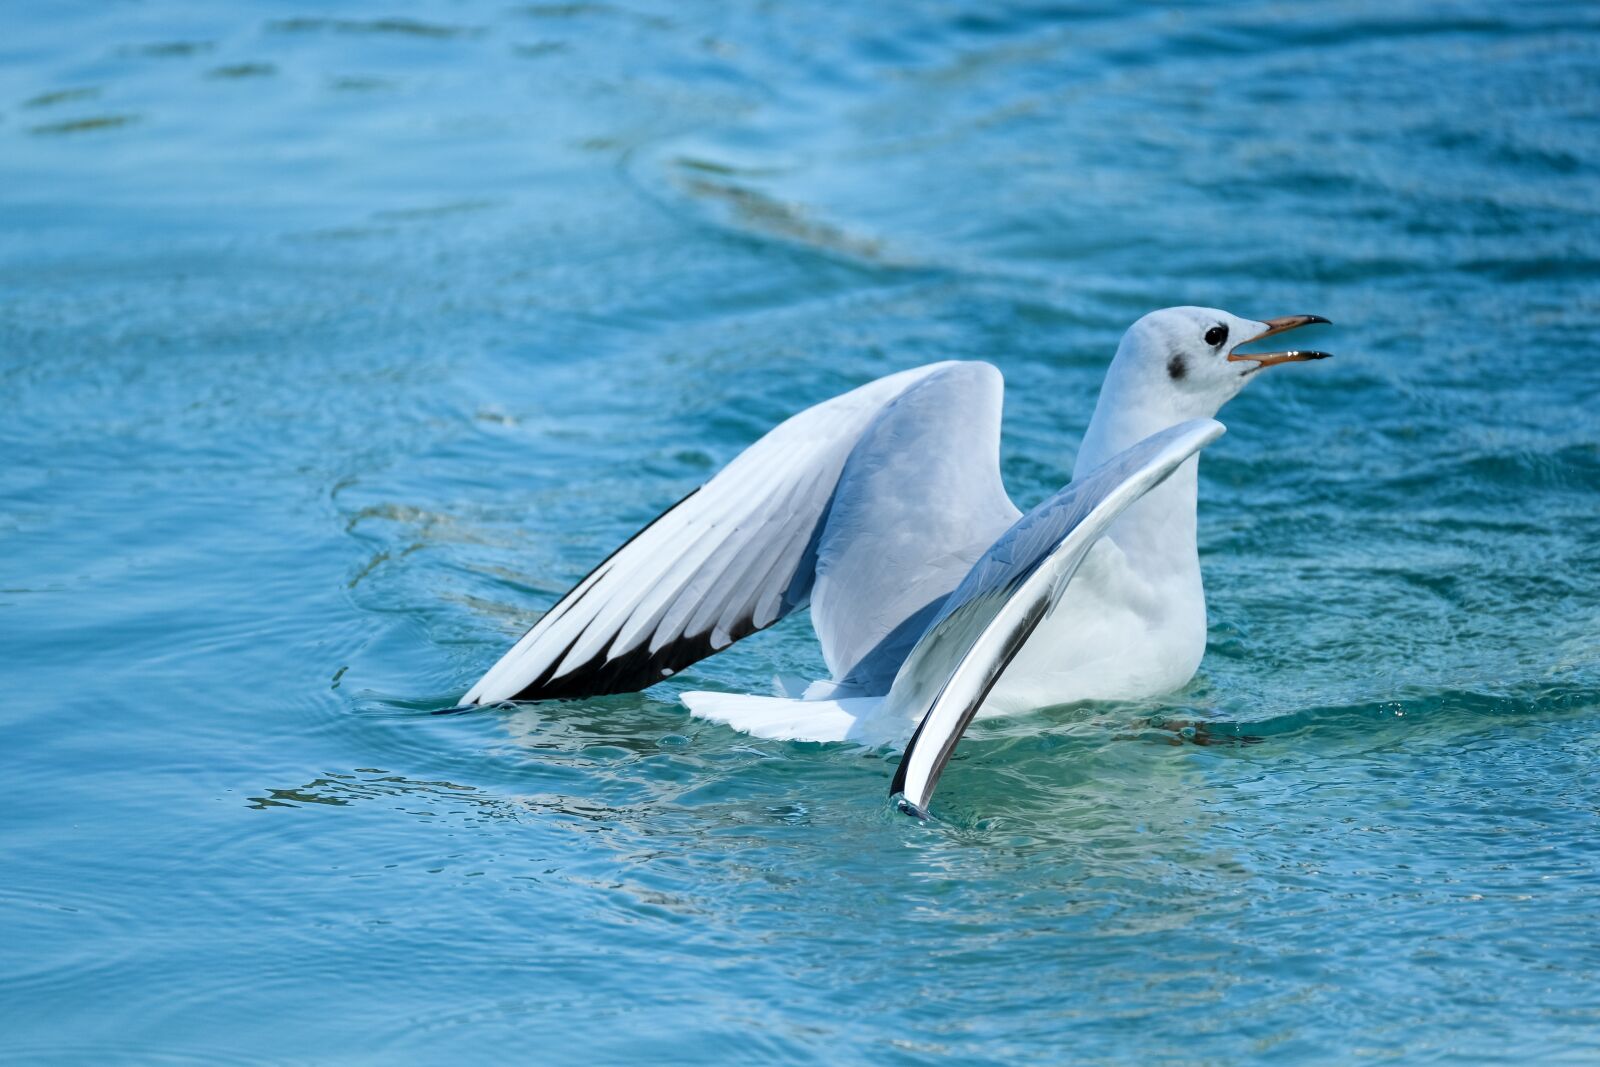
991 614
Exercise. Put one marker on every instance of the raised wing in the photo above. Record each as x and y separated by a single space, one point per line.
733 557
998 605
919 501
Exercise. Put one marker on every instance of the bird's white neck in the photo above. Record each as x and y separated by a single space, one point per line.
1158 532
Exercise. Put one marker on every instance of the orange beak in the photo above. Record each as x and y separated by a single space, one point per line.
1276 326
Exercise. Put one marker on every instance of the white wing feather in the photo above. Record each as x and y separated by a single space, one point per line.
740 552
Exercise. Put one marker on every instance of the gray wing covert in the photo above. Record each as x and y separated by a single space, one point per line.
919 500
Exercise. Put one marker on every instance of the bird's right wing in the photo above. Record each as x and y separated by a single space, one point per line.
731 558
991 614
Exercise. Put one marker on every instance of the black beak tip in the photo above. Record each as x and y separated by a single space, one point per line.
1312 319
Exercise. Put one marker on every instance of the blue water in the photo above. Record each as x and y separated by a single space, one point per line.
336 341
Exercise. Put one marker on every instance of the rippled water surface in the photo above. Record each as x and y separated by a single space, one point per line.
337 340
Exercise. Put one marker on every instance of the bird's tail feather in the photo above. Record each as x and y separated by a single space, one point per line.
847 719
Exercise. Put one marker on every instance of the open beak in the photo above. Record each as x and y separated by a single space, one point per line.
1276 326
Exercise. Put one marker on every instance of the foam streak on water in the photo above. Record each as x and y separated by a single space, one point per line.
337 340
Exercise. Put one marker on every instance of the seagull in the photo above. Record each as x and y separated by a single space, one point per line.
934 598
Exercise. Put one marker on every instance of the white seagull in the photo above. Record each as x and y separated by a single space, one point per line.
934 598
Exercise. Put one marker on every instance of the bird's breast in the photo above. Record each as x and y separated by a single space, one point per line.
1117 633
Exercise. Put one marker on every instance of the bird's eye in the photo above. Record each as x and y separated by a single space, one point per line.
1216 335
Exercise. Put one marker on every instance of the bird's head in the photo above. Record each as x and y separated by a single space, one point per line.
1188 360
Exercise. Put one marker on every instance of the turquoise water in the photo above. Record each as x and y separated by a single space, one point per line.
335 342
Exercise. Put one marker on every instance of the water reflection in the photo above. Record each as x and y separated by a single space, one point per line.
401 26
84 125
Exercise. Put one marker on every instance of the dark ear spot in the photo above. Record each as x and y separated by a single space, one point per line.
1176 367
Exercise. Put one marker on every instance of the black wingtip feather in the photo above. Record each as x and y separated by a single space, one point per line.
631 671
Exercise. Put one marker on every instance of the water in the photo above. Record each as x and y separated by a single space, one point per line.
336 341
